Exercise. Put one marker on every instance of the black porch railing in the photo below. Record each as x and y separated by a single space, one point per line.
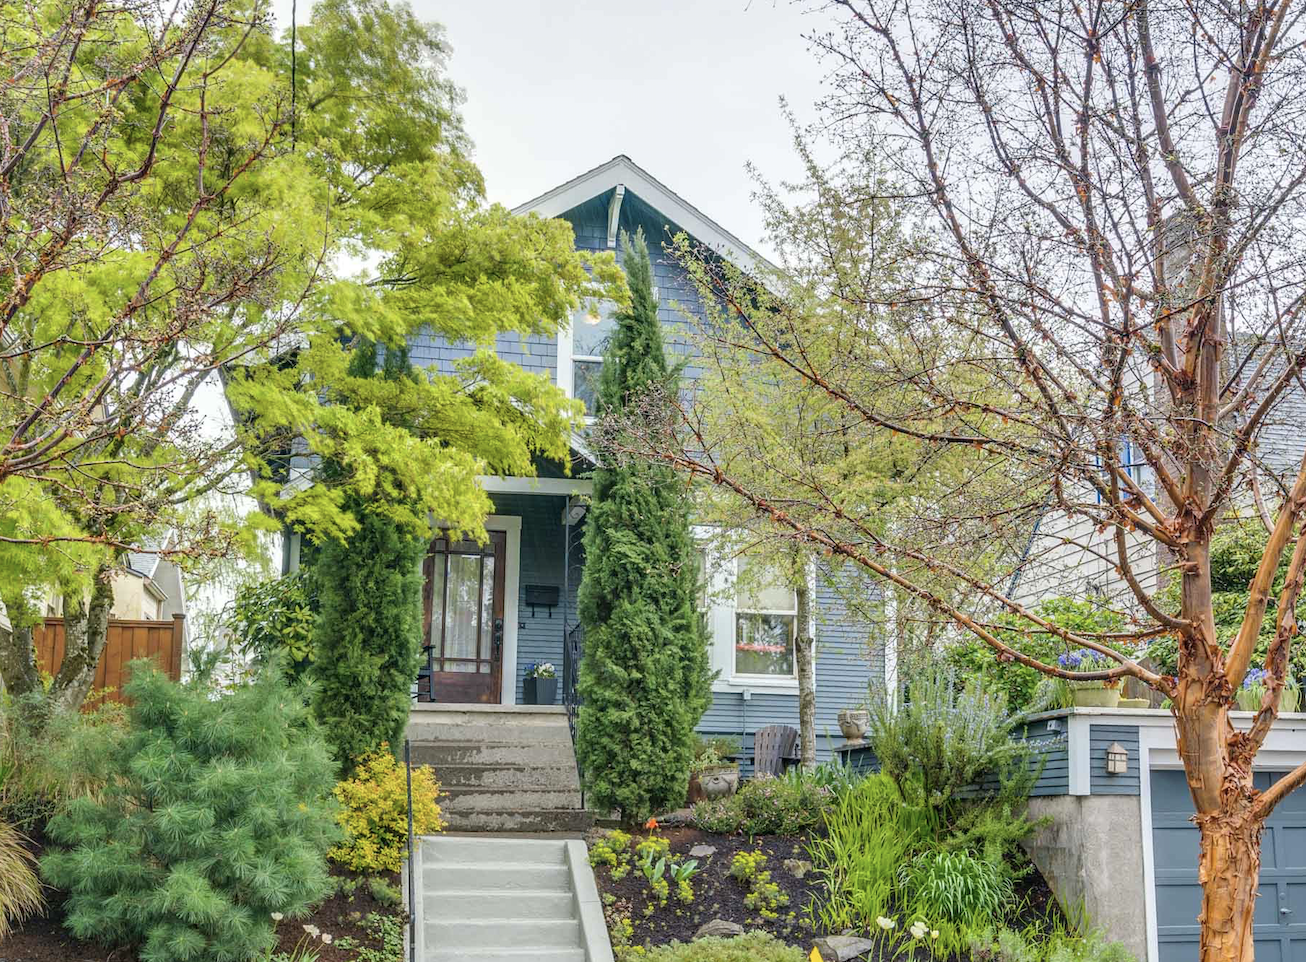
573 648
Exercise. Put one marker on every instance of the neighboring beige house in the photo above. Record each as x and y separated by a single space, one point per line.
149 589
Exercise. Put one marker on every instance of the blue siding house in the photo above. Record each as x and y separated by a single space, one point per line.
523 583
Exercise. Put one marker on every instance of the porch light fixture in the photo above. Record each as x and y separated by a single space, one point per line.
1117 759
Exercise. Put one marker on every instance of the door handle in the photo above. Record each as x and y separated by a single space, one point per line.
498 636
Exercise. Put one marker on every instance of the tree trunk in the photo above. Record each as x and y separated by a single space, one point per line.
18 661
86 628
804 646
1228 868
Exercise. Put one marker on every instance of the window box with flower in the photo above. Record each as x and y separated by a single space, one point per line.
1090 694
540 684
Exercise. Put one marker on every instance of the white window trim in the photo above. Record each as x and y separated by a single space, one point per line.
720 614
566 369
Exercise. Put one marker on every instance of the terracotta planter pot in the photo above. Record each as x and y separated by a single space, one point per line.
1097 697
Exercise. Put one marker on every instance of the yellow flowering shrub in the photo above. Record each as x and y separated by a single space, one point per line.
374 812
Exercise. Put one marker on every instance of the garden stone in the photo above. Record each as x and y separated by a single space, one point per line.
841 948
797 867
702 851
719 928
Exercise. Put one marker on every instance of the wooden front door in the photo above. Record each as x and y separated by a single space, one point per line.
464 620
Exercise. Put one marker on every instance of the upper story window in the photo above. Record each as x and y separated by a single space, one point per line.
1132 461
591 329
581 348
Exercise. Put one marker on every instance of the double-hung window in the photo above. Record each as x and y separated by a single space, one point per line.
766 620
752 619
591 329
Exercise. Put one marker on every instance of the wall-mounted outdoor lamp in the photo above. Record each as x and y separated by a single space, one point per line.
1117 759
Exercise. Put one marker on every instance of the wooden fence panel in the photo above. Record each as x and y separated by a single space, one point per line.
126 640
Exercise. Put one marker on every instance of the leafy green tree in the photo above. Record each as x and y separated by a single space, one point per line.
644 677
219 815
244 197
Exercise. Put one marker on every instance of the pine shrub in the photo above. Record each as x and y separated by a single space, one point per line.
218 814
374 812
644 678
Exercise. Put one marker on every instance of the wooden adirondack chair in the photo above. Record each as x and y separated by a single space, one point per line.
774 748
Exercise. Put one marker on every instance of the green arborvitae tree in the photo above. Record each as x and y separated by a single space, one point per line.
644 679
368 630
219 815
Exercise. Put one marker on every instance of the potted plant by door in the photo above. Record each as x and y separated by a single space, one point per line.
540 686
1091 694
1251 693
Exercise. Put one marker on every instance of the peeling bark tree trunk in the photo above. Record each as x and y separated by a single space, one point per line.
1228 868
86 629
803 655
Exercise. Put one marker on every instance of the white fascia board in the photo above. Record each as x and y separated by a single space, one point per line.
621 170
562 487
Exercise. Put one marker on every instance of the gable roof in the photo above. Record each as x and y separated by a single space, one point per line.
621 170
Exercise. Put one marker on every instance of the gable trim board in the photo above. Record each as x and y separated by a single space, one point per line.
624 173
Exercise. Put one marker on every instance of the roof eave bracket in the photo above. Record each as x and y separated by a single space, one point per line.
614 214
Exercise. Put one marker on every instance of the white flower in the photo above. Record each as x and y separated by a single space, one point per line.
884 923
326 938
312 930
277 916
934 933
918 930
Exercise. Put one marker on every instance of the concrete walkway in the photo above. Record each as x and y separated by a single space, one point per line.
486 898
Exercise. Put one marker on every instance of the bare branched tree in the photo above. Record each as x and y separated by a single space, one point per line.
1107 310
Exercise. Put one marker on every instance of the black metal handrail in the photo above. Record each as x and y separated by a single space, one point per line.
412 901
572 650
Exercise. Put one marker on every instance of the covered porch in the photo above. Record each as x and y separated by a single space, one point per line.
490 611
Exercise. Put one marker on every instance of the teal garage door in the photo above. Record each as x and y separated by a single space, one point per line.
1280 922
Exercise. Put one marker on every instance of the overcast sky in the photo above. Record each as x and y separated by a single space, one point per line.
688 89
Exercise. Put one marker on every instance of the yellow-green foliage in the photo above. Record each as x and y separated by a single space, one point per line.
764 896
752 947
374 812
612 850
654 846
20 889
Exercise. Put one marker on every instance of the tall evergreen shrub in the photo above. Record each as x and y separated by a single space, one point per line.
218 815
644 677
367 635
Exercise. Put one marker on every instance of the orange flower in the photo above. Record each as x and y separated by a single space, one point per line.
651 824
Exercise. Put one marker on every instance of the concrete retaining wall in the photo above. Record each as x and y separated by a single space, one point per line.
1092 856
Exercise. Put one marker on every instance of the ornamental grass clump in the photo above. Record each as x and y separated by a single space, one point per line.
20 889
218 814
374 812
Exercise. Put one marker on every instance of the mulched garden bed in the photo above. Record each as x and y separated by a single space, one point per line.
343 916
717 895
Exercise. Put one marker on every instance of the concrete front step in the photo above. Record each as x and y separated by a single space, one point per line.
551 906
445 753
472 798
500 776
422 733
503 877
479 849
517 820
506 955
505 933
